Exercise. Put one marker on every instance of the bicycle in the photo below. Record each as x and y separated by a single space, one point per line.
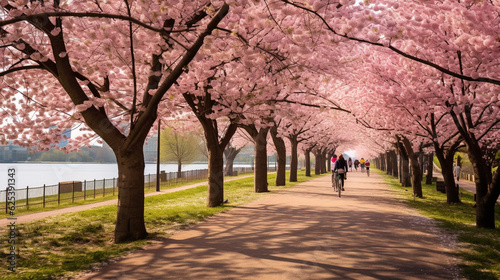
336 183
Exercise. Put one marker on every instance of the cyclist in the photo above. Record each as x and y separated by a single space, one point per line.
362 164
341 168
367 166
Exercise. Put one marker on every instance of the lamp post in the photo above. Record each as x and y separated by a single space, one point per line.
158 158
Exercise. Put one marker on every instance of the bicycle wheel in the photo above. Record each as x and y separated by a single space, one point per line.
339 186
336 182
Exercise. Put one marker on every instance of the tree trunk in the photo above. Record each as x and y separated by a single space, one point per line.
323 161
317 162
230 153
404 173
215 176
430 168
446 161
416 175
389 163
486 190
260 178
130 217
260 151
394 161
179 169
307 156
416 172
383 162
279 143
293 159
228 170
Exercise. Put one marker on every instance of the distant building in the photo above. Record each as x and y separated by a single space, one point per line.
12 153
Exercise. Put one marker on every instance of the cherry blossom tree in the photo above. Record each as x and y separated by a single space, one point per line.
107 64
460 43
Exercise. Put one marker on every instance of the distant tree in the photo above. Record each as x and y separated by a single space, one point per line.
181 148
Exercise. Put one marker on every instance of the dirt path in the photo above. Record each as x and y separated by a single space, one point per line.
305 232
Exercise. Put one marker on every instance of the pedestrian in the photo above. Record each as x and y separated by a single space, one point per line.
362 164
341 168
456 172
367 166
356 164
334 159
350 163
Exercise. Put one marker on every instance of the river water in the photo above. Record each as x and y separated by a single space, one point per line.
38 174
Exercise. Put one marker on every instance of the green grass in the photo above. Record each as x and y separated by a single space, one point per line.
66 244
52 202
478 249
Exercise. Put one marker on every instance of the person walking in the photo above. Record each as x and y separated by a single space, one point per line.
367 166
350 163
342 168
456 172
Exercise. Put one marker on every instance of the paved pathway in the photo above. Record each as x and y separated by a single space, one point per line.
305 232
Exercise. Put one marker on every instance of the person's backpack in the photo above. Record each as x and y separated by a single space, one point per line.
367 164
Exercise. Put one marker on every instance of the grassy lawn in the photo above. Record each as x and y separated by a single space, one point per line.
53 202
478 249
66 244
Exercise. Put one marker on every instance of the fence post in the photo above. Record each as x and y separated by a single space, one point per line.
59 193
94 188
113 186
43 202
27 197
103 187
84 189
73 193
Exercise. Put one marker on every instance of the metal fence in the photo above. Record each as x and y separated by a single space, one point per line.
72 191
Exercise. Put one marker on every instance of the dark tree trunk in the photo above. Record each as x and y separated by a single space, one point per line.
229 169
307 156
416 172
230 154
329 162
395 170
323 161
404 168
215 148
383 162
130 217
389 163
179 169
215 176
486 190
260 163
430 168
446 160
317 162
294 162
279 143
